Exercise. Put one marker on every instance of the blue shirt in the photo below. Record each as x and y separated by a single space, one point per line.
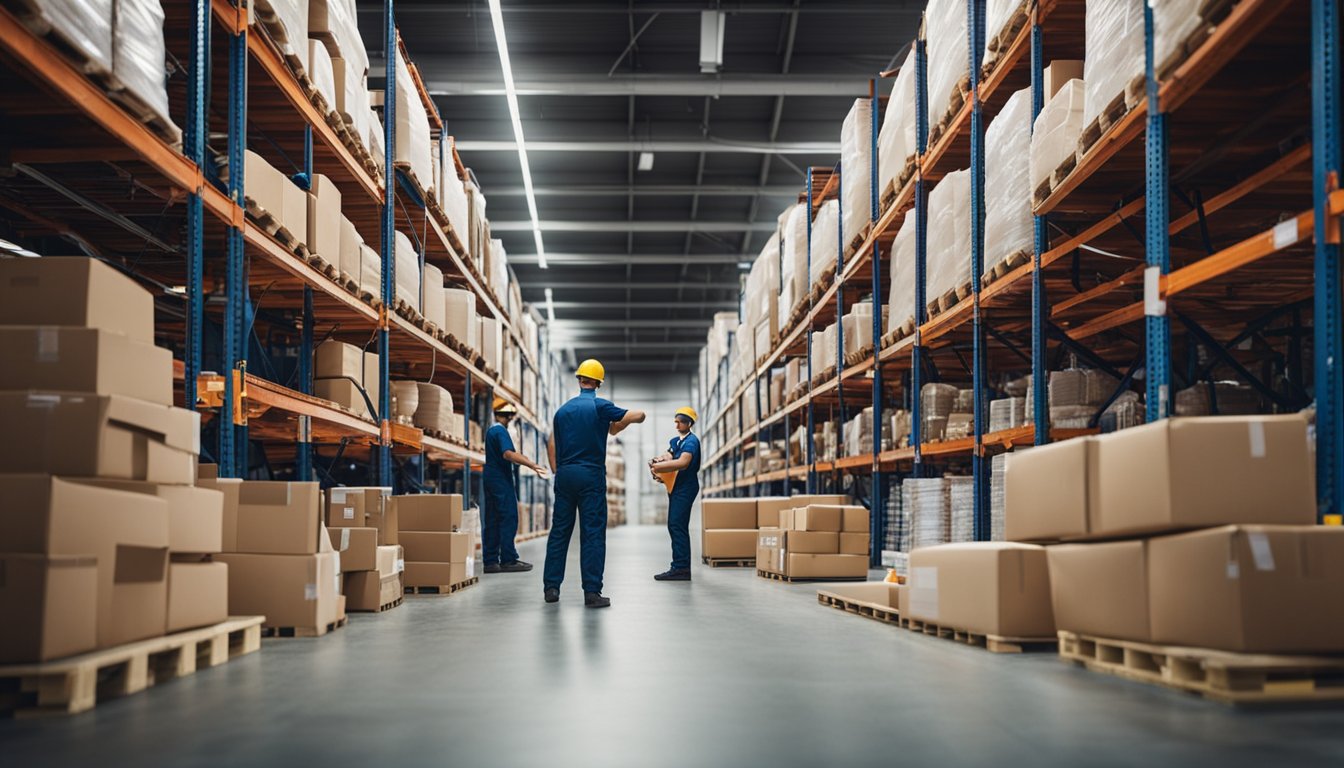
580 429
688 444
497 441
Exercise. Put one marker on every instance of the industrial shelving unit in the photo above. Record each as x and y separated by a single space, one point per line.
1249 270
91 171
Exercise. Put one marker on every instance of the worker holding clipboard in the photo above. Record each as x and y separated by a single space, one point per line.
679 471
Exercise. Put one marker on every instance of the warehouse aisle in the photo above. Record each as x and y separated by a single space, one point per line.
727 670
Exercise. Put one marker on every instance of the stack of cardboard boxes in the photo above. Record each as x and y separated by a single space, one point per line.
816 541
363 530
98 470
439 551
341 371
728 526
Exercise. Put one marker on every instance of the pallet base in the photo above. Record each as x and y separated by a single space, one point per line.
441 589
808 580
729 562
862 608
77 684
991 643
304 631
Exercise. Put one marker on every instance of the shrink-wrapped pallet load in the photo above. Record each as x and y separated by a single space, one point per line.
937 403
434 408
1115 55
138 56
825 242
901 300
897 141
961 508
431 295
948 64
998 467
287 25
334 24
84 25
1173 23
949 235
453 199
459 316
793 266
930 516
856 170
1008 220
412 142
322 73
998 14
407 272
1054 136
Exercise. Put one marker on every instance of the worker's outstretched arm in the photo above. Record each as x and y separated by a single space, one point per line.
521 460
630 417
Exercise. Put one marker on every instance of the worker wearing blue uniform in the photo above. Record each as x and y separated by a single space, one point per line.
683 458
578 454
500 526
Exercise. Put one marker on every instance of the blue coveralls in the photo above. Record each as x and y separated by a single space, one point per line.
679 501
580 428
501 500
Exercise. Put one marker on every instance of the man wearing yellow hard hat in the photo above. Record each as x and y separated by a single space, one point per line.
578 453
500 526
683 458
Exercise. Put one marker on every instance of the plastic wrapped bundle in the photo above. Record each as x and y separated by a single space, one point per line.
1054 136
1115 55
998 13
85 25
830 342
997 467
1009 226
1100 385
927 501
958 425
138 55
407 274
949 235
961 508
431 295
945 22
793 266
856 169
1173 22
937 399
1127 411
896 525
1068 387
370 271
412 142
287 25
965 401
897 142
1029 402
320 72
901 300
453 199
405 399
334 24
1232 399
900 428
825 245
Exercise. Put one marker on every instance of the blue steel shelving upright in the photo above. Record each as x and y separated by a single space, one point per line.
388 251
975 31
876 508
233 437
1328 344
1157 326
1040 411
921 254
193 145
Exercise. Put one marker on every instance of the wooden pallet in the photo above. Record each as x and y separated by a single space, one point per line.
954 106
729 562
997 272
854 358
304 631
1056 178
808 580
991 643
77 684
441 589
863 608
1120 105
1233 678
31 14
1000 43
159 124
273 227
858 240
948 300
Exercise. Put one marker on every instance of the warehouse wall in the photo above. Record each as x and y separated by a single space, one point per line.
658 395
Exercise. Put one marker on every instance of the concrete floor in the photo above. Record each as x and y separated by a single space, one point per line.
727 670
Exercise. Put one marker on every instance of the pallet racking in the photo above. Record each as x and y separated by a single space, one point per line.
1242 270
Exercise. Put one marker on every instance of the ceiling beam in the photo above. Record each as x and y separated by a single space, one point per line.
709 144
636 226
706 190
714 86
627 258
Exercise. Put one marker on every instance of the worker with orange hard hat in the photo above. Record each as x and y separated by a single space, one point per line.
683 458
500 524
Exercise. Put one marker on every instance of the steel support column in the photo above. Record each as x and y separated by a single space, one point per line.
975 11
194 135
1327 332
1157 325
921 255
388 241
877 507
231 437
1040 412
811 457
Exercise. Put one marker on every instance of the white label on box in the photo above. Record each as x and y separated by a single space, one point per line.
399 566
1285 234
48 344
338 495
1153 305
348 513
309 591
924 592
1261 551
1234 570
1257 430
345 539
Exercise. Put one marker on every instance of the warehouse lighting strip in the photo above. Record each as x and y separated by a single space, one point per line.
550 306
511 95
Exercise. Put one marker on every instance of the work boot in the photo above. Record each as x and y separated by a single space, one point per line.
517 566
492 568
674 574
552 595
595 600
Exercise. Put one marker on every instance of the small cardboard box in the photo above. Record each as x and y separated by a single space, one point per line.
736 514
770 544
48 606
324 219
355 507
854 519
298 591
768 508
436 546
358 548
74 291
1048 492
994 588
814 542
195 513
818 517
427 512
390 559
1060 71
278 518
346 394
728 544
1101 589
369 591
84 360
855 543
1249 588
198 595
434 574
228 488
804 566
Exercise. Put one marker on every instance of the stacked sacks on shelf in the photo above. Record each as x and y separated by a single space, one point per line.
961 508
937 403
1001 21
346 375
926 500
1009 228
439 549
816 541
856 176
897 142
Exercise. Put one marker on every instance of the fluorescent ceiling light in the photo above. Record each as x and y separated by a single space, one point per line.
511 95
646 161
711 41
550 306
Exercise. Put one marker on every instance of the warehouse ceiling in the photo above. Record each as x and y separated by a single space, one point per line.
640 260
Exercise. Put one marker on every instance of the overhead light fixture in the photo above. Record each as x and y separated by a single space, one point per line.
550 306
17 250
711 41
646 161
511 95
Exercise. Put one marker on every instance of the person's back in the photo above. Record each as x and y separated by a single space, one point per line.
580 428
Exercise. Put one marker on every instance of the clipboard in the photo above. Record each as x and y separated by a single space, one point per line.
669 479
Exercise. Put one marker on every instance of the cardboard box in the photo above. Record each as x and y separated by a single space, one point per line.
48 606
993 588
198 595
855 543
228 489
1101 589
323 212
195 514
818 517
126 532
385 519
355 507
814 542
75 291
1249 588
768 508
434 574
770 544
436 546
390 559
84 360
297 591
1198 472
278 518
369 591
902 599
358 548
97 436
805 566
1059 72
459 315
728 543
346 394
737 514
854 519
351 241
1048 495
427 512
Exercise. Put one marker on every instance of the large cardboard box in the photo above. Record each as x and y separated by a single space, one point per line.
297 591
198 595
1047 490
852 543
228 488
278 518
1101 589
1249 588
324 219
459 315
97 436
126 532
346 394
1059 72
84 360
1197 472
854 519
814 542
809 566
74 291
48 606
818 517
994 588
768 508
355 507
195 514
770 544
728 543
736 514
436 546
427 512
385 518
358 548
369 591
390 559
434 574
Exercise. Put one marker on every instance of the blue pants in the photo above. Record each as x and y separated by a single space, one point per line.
583 490
679 522
500 526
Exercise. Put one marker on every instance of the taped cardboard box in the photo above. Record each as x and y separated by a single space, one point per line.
346 394
198 595
728 513
74 291
852 543
807 566
84 360
770 544
195 514
728 544
292 591
436 546
993 588
1204 471
818 517
768 508
324 219
1101 589
228 489
814 542
876 592
338 360
126 532
391 559
854 519
1048 491
352 507
358 548
279 518
48 606
434 574
1249 588
369 591
427 512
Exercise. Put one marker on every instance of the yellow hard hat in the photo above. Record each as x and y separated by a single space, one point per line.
504 406
591 369
689 413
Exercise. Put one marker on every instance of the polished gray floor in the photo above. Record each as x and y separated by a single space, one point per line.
728 670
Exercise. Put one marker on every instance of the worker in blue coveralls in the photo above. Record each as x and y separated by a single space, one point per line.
501 499
578 454
683 458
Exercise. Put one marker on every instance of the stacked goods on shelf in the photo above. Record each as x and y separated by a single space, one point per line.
899 428
1009 230
1224 398
817 541
406 272
793 269
459 317
937 403
431 297
286 22
825 243
498 274
1055 134
491 343
326 231
926 501
345 374
412 130
1075 394
856 178
897 143
761 302
1006 413
363 531
949 242
997 495
439 549
451 189
138 56
1174 21
283 206
1114 68
83 25
896 538
1003 19
478 225
901 304
99 470
949 66
961 508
